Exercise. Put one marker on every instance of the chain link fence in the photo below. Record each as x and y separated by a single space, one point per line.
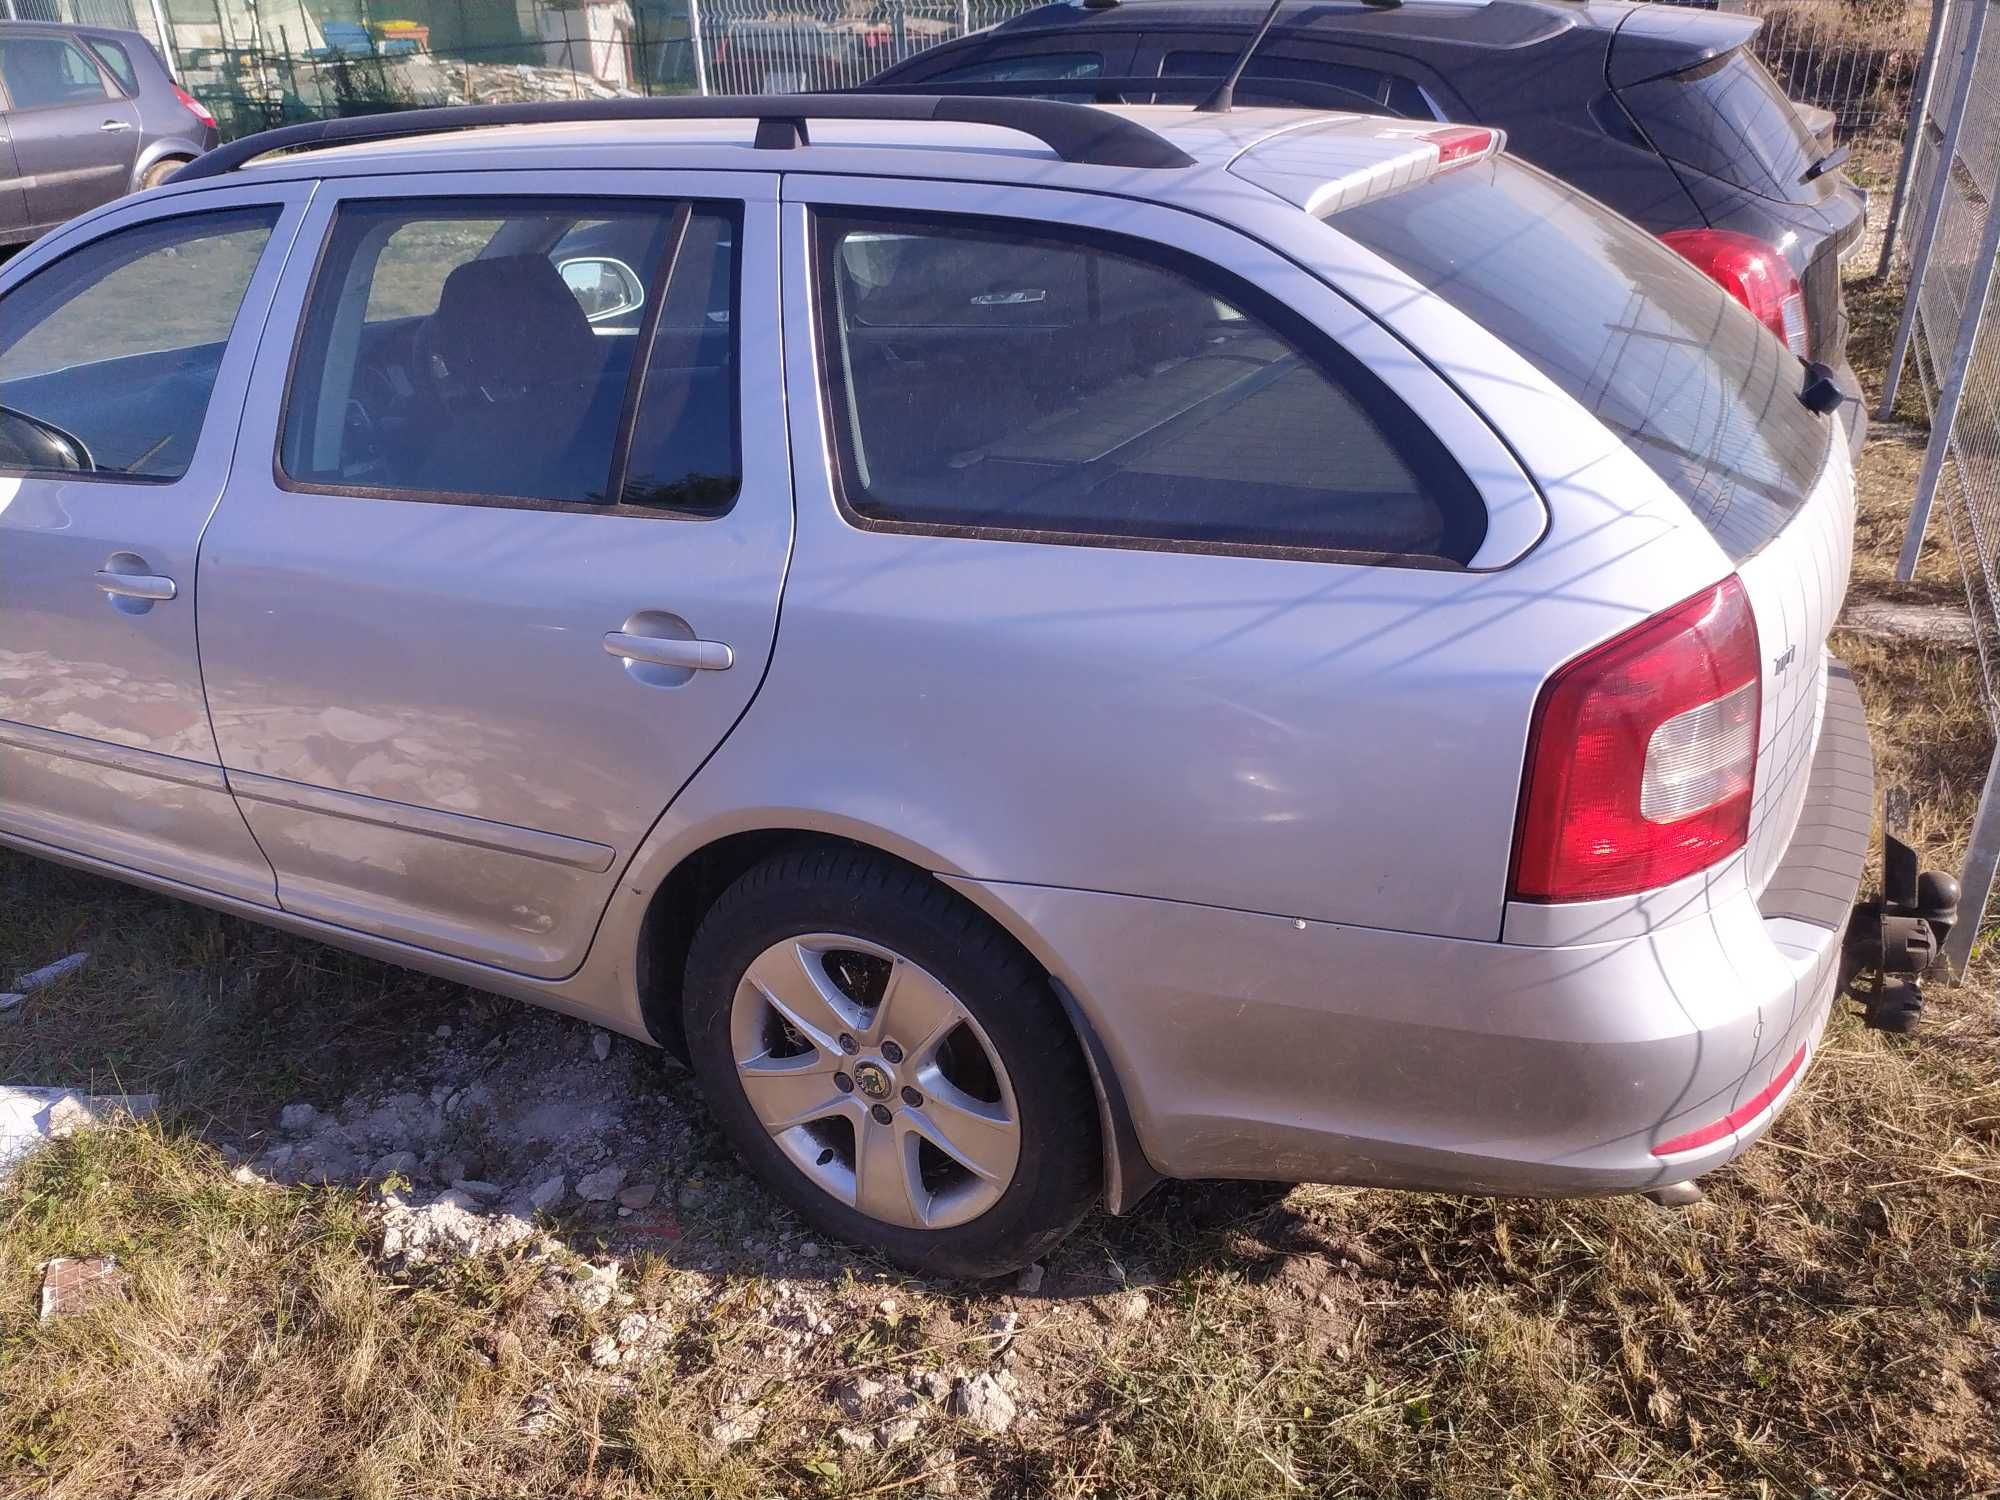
1949 188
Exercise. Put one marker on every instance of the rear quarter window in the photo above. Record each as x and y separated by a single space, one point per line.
1662 355
117 63
992 378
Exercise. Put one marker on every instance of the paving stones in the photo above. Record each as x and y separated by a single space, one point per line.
70 1284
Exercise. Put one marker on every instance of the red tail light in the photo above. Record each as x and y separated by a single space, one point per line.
1642 755
194 106
1755 274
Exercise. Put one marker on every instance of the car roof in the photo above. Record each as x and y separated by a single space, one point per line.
1468 23
68 28
943 150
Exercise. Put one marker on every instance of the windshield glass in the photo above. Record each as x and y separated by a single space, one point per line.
1695 385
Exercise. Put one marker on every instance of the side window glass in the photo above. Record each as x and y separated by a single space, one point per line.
1028 67
1125 392
484 348
1341 85
44 70
108 356
115 59
686 437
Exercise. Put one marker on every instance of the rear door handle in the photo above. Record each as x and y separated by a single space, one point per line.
665 651
136 585
115 125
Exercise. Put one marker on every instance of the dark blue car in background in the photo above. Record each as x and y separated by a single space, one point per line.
1659 110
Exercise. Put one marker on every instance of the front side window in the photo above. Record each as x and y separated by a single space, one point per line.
108 356
44 70
491 349
989 377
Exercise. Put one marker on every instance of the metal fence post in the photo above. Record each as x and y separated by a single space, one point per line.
1920 105
1934 209
1982 863
700 51
1939 447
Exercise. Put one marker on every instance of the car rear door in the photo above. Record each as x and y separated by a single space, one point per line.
76 136
118 333
453 684
1108 477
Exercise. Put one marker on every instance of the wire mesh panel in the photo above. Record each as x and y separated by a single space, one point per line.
794 46
1955 349
1856 58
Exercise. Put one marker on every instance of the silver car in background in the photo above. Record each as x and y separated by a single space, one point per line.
1039 647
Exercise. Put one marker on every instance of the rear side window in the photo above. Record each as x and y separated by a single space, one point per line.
1662 355
1050 385
108 356
1357 87
1728 118
545 351
116 62
45 70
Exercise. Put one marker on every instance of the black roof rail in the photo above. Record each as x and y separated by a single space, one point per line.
1075 132
1166 88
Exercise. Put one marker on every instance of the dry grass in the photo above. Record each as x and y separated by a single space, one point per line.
1823 1326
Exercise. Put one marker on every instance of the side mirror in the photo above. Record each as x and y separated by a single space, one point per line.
606 288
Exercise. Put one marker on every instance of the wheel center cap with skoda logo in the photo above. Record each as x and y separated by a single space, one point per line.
871 1081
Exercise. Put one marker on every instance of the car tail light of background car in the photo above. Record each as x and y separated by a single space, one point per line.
1642 755
1755 274
194 106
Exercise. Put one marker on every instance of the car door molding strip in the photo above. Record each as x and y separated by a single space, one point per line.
455 828
127 758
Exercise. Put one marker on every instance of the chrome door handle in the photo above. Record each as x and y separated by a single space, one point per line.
136 585
115 125
665 651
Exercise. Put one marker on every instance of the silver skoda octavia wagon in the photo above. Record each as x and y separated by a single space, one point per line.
1040 647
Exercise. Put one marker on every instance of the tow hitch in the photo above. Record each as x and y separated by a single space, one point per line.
1892 942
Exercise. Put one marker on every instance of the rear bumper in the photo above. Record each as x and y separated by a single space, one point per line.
1256 1046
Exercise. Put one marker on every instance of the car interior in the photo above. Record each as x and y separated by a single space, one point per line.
506 387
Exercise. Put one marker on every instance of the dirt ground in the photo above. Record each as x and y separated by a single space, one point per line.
390 1236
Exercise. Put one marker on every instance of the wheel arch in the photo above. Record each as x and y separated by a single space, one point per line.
691 885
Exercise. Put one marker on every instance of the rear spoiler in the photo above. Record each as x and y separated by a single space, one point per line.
1657 39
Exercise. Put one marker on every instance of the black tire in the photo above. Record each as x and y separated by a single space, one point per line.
881 901
161 171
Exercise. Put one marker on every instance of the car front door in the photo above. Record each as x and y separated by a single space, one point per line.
491 580
76 137
120 383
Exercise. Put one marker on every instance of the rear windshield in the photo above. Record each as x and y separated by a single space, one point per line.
1728 118
1695 385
